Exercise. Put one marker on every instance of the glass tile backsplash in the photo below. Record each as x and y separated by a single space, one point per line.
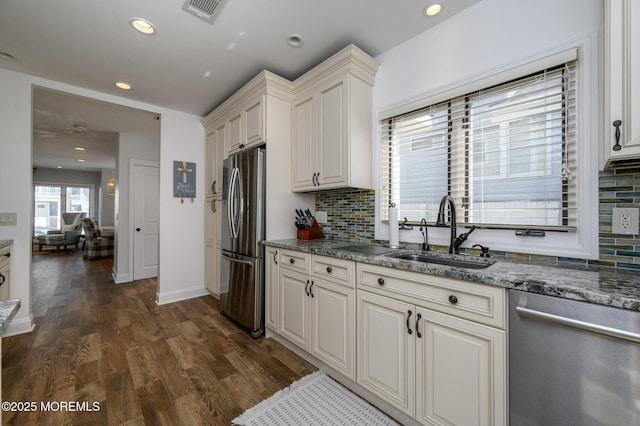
351 217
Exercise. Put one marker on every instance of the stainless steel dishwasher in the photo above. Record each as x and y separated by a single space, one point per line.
572 363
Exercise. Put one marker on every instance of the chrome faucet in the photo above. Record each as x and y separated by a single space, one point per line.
441 221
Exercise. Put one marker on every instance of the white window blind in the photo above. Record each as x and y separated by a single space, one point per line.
506 154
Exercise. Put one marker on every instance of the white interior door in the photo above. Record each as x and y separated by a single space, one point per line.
146 221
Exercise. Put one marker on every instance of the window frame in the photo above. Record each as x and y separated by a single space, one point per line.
579 243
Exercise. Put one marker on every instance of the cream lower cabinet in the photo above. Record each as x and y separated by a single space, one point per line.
439 368
212 246
271 276
5 269
317 307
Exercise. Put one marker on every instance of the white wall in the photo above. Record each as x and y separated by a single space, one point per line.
486 36
182 224
490 36
106 202
15 187
181 234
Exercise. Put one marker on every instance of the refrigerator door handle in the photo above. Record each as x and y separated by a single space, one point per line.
231 203
237 260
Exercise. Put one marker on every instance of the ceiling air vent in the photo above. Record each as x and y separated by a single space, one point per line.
204 9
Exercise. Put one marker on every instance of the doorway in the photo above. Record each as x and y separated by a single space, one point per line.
146 219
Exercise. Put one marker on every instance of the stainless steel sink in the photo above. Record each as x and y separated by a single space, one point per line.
447 261
367 249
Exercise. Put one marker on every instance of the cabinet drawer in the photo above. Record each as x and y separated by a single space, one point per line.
338 271
295 261
476 302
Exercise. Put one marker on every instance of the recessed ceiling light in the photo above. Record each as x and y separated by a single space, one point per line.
58 167
7 55
294 40
142 25
79 148
80 160
123 85
433 9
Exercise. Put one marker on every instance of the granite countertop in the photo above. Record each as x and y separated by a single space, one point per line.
8 309
5 243
599 285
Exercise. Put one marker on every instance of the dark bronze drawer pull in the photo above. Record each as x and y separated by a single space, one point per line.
453 299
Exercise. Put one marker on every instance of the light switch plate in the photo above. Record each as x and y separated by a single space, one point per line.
625 220
8 219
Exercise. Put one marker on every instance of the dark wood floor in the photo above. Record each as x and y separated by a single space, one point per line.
95 341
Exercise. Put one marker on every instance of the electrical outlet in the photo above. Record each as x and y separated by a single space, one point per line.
321 217
625 220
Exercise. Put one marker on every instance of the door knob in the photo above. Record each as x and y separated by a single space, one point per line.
137 229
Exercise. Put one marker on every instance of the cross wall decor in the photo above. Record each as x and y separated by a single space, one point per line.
184 180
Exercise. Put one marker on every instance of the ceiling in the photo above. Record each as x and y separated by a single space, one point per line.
189 65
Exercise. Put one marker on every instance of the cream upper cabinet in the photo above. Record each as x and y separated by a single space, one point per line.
219 154
246 125
247 117
209 164
622 85
215 154
332 123
235 131
304 134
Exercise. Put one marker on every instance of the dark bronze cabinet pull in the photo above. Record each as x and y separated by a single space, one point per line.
617 146
311 289
306 288
408 318
418 318
453 299
3 279
329 269
275 258
381 281
292 260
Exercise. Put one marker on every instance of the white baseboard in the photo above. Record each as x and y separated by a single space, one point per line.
182 294
119 279
20 326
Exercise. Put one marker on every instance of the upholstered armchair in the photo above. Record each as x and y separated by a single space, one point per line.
67 236
70 222
95 245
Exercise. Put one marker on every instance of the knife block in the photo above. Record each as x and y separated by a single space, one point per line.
312 233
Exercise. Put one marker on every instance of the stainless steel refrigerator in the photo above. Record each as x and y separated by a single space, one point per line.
243 229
